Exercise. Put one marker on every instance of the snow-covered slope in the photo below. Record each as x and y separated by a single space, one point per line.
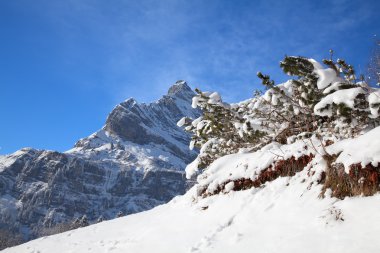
135 162
283 215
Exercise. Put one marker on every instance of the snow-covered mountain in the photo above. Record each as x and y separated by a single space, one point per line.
135 162
264 181
287 214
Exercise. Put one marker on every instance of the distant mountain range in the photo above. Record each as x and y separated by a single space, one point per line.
135 162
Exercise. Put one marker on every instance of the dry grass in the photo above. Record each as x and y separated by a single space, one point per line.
359 180
282 168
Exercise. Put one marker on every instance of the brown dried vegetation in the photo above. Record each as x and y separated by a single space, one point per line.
359 180
282 168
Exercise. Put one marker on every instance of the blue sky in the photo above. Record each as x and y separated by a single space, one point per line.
65 64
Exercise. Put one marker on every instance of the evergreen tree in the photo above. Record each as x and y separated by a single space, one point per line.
219 131
100 219
79 222
84 221
327 102
75 224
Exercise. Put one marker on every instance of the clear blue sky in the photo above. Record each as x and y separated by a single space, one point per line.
65 64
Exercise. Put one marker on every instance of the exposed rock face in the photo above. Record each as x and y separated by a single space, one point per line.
133 163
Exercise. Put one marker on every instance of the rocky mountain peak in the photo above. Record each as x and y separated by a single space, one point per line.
135 162
144 123
129 103
181 89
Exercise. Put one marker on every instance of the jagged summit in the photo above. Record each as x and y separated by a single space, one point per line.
129 102
181 89
154 122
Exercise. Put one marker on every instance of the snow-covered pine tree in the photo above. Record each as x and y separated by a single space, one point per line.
79 222
84 221
326 102
219 131
346 102
100 219
286 109
75 224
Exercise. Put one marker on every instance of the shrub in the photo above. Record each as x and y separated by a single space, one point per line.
9 239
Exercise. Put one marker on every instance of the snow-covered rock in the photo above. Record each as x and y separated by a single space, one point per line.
135 162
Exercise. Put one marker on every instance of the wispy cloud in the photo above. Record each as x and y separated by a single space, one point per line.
69 62
216 45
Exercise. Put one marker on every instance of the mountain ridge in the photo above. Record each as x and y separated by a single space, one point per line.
133 163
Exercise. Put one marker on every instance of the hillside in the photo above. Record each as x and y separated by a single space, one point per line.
287 214
293 169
